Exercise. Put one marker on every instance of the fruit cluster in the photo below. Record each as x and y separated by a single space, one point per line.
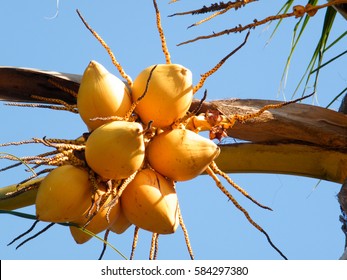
141 140
137 148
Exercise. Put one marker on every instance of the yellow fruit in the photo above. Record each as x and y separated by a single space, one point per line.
150 202
181 154
99 222
101 94
64 195
121 224
116 150
169 94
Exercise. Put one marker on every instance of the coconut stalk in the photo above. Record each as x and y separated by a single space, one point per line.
27 198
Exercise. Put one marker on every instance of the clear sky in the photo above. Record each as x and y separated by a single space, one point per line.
304 223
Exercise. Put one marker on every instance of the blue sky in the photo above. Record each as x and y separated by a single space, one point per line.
304 223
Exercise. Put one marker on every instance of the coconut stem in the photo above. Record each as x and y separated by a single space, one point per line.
161 34
186 235
217 66
154 246
104 246
216 170
135 239
133 106
107 48
67 107
35 235
15 196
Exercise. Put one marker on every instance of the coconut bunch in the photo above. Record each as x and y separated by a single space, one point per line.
141 140
136 149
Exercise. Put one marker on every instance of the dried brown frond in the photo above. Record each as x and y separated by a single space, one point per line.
62 88
216 7
298 11
210 17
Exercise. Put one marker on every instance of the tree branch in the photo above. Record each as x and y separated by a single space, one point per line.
293 123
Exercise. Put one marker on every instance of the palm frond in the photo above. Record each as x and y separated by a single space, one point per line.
285 8
318 54
298 31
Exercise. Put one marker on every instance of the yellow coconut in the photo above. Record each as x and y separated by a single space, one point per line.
101 94
99 222
116 150
121 224
181 154
150 202
64 195
169 94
